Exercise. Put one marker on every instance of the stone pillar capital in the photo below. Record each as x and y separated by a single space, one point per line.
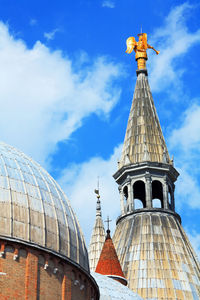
128 179
148 177
165 179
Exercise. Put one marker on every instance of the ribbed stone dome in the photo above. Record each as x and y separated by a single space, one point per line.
111 289
34 209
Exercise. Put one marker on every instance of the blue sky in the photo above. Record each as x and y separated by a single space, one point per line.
66 86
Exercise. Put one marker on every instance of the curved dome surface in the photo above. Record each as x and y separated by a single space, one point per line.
34 209
111 289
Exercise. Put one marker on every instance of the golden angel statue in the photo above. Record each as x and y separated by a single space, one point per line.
140 49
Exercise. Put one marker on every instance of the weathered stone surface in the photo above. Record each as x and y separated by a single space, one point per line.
97 239
144 140
153 249
34 209
156 257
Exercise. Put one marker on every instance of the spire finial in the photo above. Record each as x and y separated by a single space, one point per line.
108 229
140 49
98 208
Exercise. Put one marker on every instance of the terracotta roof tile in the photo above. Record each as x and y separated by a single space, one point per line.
108 263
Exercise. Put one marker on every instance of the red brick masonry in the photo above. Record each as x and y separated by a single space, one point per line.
31 274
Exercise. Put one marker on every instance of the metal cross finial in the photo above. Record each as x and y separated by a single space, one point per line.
108 221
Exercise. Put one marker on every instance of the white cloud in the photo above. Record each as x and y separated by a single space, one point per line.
108 3
187 188
43 100
81 191
187 137
51 35
174 40
185 142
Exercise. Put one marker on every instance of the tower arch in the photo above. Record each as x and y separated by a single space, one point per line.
139 194
125 198
157 194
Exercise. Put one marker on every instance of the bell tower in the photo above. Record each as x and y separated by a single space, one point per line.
146 174
153 249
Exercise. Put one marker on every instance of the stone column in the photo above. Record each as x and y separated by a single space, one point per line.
165 194
130 194
121 199
148 190
172 197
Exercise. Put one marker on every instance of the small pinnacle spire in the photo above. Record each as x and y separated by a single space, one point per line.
108 263
98 234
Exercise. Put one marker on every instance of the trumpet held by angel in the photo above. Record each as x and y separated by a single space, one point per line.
139 47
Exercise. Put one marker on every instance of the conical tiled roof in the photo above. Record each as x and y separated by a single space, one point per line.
144 140
97 238
108 263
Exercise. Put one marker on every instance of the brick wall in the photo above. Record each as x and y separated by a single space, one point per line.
32 274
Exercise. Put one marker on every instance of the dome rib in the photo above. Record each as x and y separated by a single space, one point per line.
42 205
28 203
9 189
56 219
67 227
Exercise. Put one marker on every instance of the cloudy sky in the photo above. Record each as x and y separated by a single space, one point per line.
66 86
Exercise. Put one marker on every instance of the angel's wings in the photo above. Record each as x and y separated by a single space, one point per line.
130 43
144 39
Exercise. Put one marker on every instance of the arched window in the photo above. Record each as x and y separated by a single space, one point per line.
157 194
125 193
22 253
139 194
